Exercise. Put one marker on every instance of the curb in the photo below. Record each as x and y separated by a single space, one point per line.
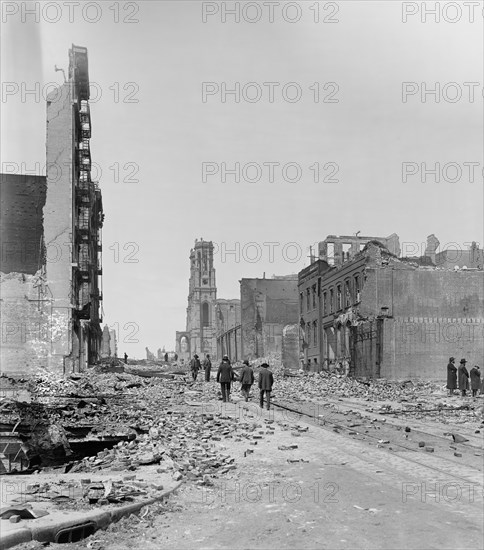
102 518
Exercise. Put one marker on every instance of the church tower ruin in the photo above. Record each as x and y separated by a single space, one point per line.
202 296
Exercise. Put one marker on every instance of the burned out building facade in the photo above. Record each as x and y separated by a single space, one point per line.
229 329
373 314
51 243
268 306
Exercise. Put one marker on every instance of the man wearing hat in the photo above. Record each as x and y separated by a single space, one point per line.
225 375
475 380
451 376
195 366
246 379
266 380
463 377
207 367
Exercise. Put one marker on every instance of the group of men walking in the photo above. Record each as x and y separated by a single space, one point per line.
461 375
195 366
226 376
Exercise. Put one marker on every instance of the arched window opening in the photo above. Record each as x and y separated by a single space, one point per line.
205 315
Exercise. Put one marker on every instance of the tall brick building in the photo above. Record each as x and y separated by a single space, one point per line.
51 243
376 315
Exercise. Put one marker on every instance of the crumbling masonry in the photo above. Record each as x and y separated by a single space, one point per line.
51 244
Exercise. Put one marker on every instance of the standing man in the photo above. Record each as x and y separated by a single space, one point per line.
266 380
125 358
195 366
246 379
451 376
166 357
207 367
225 375
463 376
475 380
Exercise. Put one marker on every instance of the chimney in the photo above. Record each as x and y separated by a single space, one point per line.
432 245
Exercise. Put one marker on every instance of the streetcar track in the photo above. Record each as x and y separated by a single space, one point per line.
404 457
360 409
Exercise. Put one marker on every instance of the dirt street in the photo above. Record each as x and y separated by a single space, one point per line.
302 483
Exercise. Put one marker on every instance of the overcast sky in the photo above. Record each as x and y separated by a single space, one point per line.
150 119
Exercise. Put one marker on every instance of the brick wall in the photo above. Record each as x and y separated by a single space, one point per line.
22 198
26 323
424 293
25 308
267 306
58 221
436 314
421 347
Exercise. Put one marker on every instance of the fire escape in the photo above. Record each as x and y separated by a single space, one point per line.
89 216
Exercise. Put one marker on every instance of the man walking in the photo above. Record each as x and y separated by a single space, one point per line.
451 376
246 379
463 376
475 380
225 375
207 367
195 366
266 380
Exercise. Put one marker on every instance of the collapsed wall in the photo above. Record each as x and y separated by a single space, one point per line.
25 306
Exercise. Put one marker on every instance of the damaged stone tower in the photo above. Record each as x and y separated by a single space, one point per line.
202 297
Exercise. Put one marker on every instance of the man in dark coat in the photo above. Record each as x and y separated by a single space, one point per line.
207 367
195 366
225 375
451 376
266 381
246 378
475 380
463 377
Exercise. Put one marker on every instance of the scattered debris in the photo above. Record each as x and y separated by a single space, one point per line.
458 438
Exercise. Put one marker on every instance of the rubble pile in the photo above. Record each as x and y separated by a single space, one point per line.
157 421
45 383
82 493
420 400
313 385
273 360
180 443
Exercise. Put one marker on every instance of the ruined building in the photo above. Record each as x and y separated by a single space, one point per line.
109 346
268 306
374 314
51 244
248 328
262 322
200 335
337 250
229 340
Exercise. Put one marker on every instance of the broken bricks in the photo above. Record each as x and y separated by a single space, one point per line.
287 447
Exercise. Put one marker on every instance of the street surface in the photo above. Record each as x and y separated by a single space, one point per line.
327 474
